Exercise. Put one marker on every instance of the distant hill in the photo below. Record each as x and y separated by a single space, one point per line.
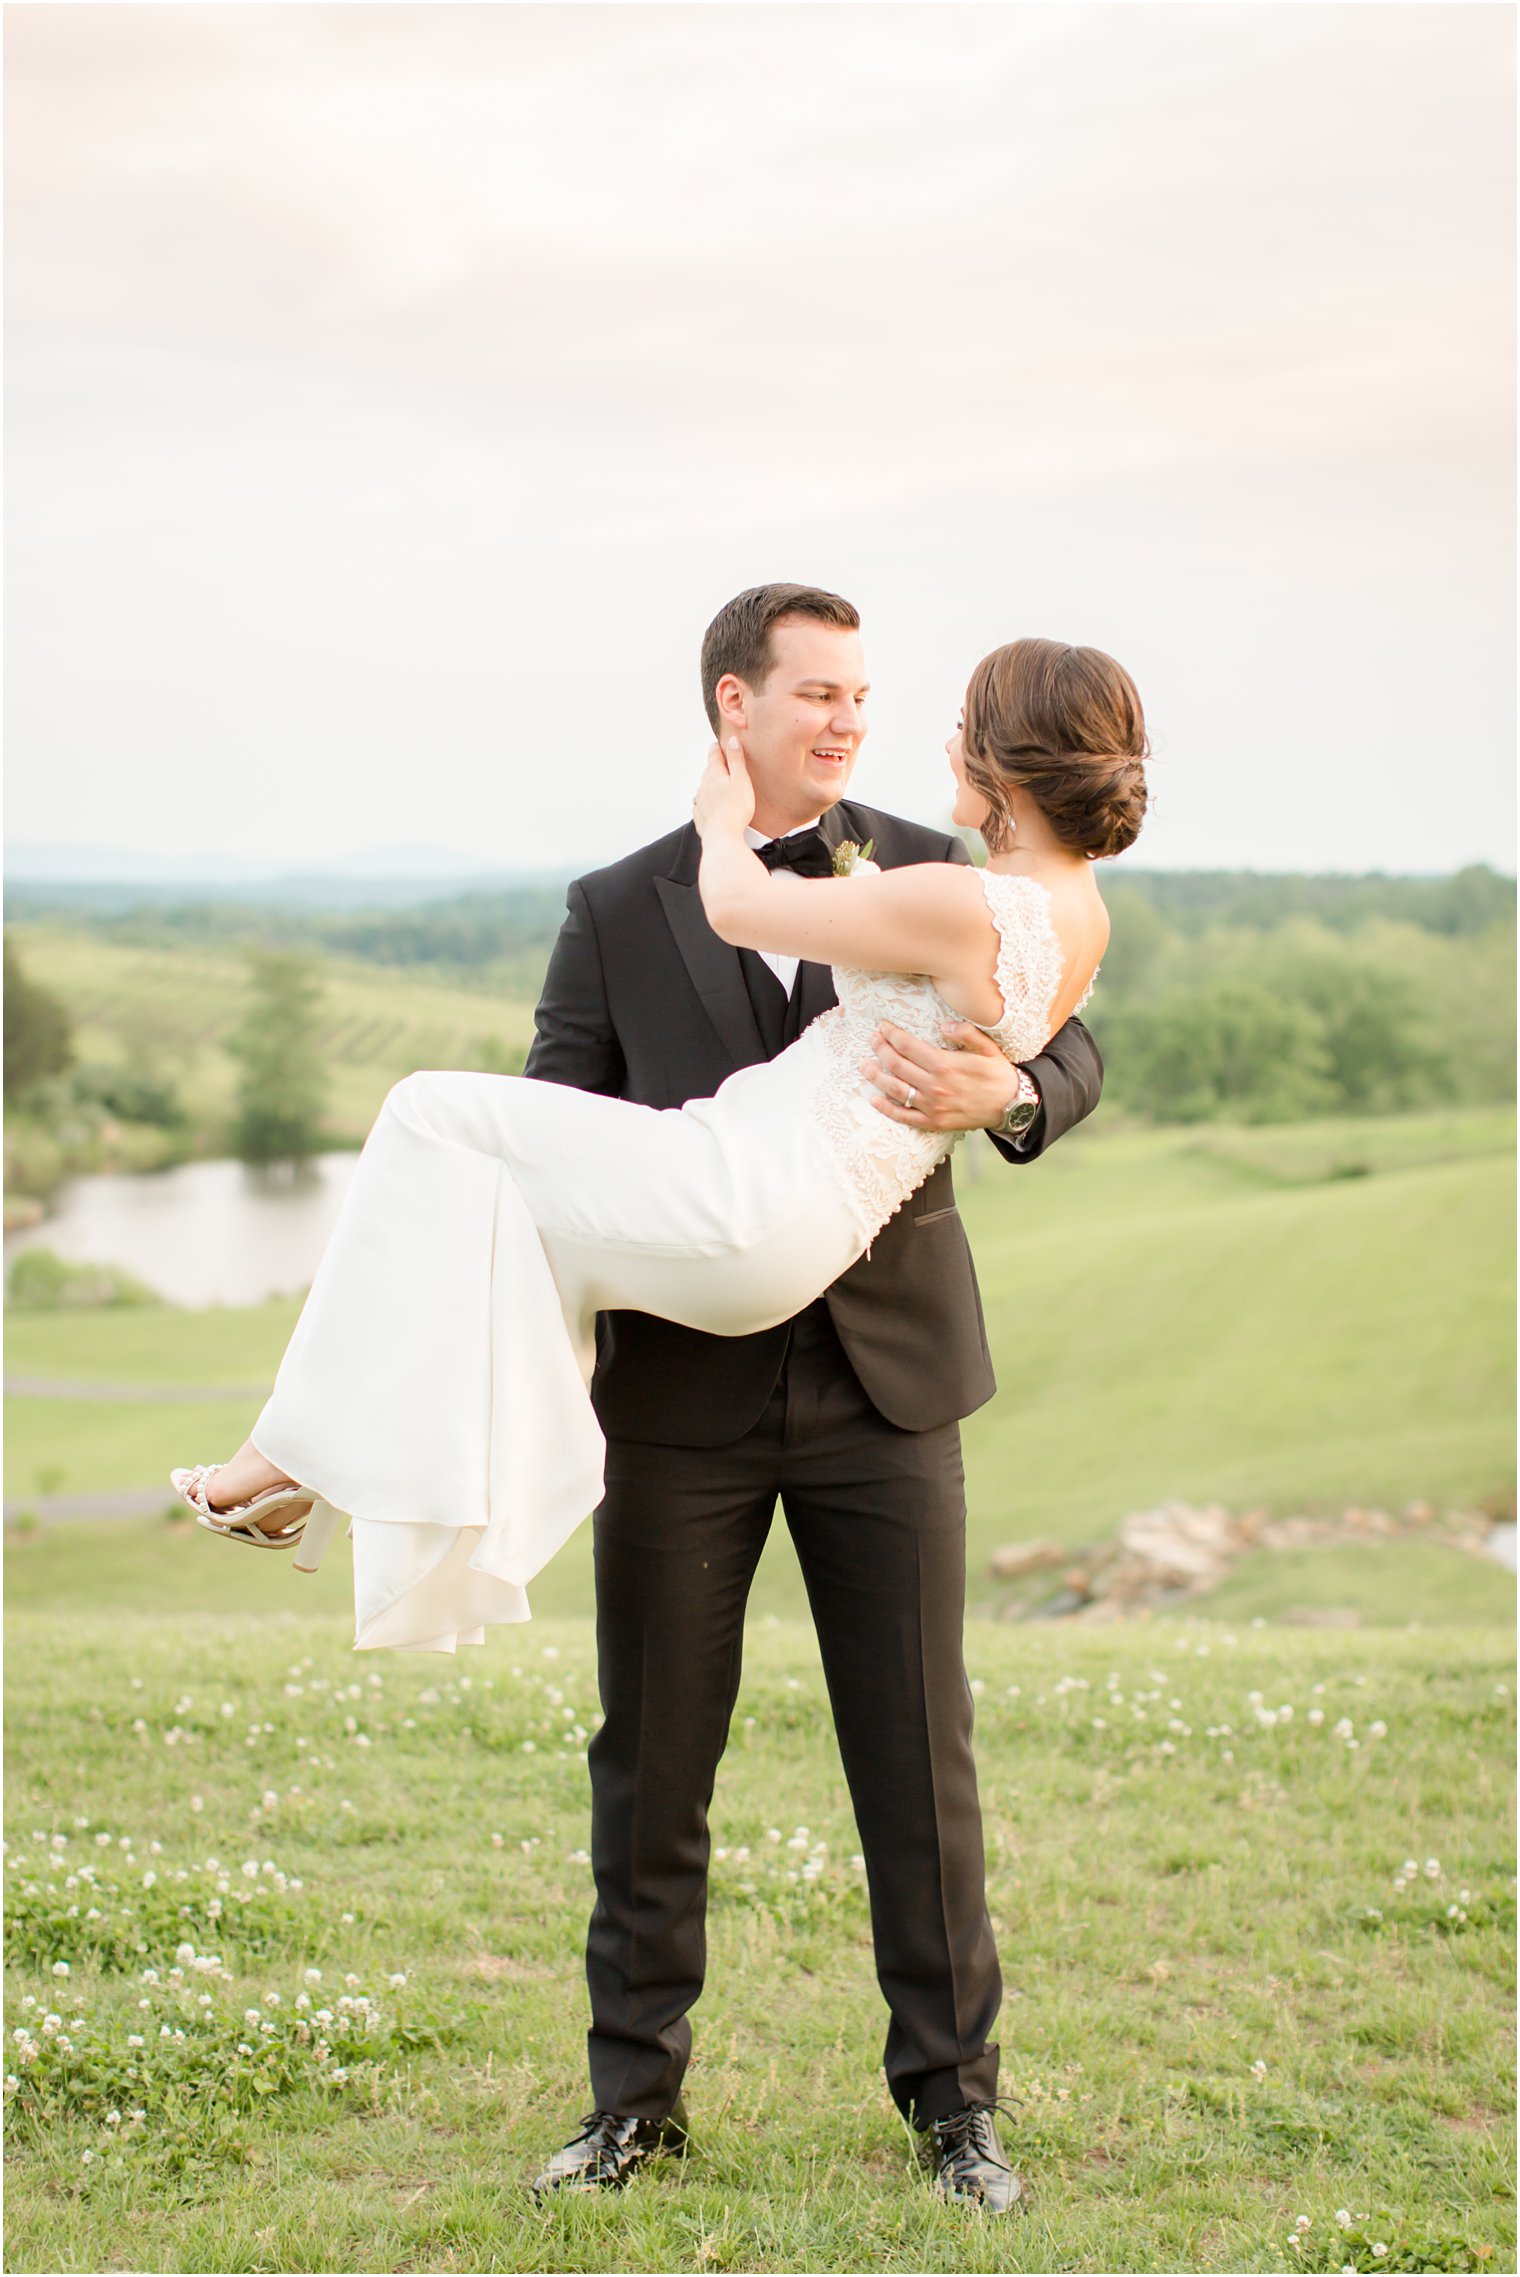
478 920
1465 901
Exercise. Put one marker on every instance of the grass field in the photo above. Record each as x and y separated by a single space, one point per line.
1192 1315
1258 1963
1230 2008
177 1006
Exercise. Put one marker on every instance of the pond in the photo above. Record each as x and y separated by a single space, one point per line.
207 1233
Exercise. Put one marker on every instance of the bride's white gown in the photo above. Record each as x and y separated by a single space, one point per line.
435 1386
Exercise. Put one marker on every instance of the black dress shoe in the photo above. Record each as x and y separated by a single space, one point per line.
609 2149
967 2160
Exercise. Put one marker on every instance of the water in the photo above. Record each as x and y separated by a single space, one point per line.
208 1233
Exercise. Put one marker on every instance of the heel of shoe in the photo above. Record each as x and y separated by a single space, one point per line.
320 1528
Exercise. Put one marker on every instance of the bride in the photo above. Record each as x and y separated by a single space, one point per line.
435 1387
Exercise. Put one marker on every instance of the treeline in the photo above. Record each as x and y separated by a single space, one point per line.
1223 994
1219 1000
1192 901
467 930
508 924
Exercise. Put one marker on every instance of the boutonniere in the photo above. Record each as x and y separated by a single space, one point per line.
851 860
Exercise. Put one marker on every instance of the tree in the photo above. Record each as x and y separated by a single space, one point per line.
282 1086
37 1041
1227 1048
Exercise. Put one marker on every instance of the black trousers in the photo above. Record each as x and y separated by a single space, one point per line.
878 1519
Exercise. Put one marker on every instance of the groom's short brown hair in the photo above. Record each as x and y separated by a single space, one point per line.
739 638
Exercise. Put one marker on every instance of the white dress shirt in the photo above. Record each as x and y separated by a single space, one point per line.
784 968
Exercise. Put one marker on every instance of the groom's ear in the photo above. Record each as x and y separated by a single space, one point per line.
732 699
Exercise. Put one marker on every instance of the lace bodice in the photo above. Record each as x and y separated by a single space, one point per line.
884 1162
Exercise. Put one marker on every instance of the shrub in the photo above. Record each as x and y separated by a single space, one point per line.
42 1281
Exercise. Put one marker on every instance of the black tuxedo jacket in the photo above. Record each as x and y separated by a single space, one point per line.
643 1001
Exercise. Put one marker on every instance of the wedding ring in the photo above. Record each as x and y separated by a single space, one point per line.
912 1095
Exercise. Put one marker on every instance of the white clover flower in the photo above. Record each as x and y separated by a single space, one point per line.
1343 2217
134 2039
113 2118
61 1968
243 2048
1259 2070
1378 2250
252 2016
1433 1868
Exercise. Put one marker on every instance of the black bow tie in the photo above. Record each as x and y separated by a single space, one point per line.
804 852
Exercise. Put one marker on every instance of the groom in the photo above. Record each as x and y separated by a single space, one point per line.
849 1414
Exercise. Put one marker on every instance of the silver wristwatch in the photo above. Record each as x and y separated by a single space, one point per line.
1021 1109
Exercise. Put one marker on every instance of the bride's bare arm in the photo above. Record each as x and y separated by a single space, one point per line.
928 917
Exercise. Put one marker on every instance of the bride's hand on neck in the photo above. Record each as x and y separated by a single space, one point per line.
725 800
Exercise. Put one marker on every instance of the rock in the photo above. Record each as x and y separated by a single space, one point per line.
1015 1559
1182 1546
1056 1608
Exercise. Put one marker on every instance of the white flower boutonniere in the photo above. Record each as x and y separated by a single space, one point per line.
852 861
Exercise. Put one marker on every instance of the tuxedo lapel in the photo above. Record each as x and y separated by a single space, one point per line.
716 973
813 994
715 970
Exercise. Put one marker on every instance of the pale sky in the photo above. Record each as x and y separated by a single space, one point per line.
394 392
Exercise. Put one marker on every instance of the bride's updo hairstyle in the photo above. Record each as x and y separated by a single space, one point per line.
1064 724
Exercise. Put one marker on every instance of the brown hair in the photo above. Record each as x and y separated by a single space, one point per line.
1066 725
739 638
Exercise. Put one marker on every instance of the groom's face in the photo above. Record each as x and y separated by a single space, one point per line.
802 728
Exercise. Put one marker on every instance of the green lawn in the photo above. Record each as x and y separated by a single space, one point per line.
1221 2013
179 1005
1175 1314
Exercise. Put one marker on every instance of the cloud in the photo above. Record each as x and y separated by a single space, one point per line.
343 339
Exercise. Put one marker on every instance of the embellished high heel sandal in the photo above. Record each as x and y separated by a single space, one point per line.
303 1521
